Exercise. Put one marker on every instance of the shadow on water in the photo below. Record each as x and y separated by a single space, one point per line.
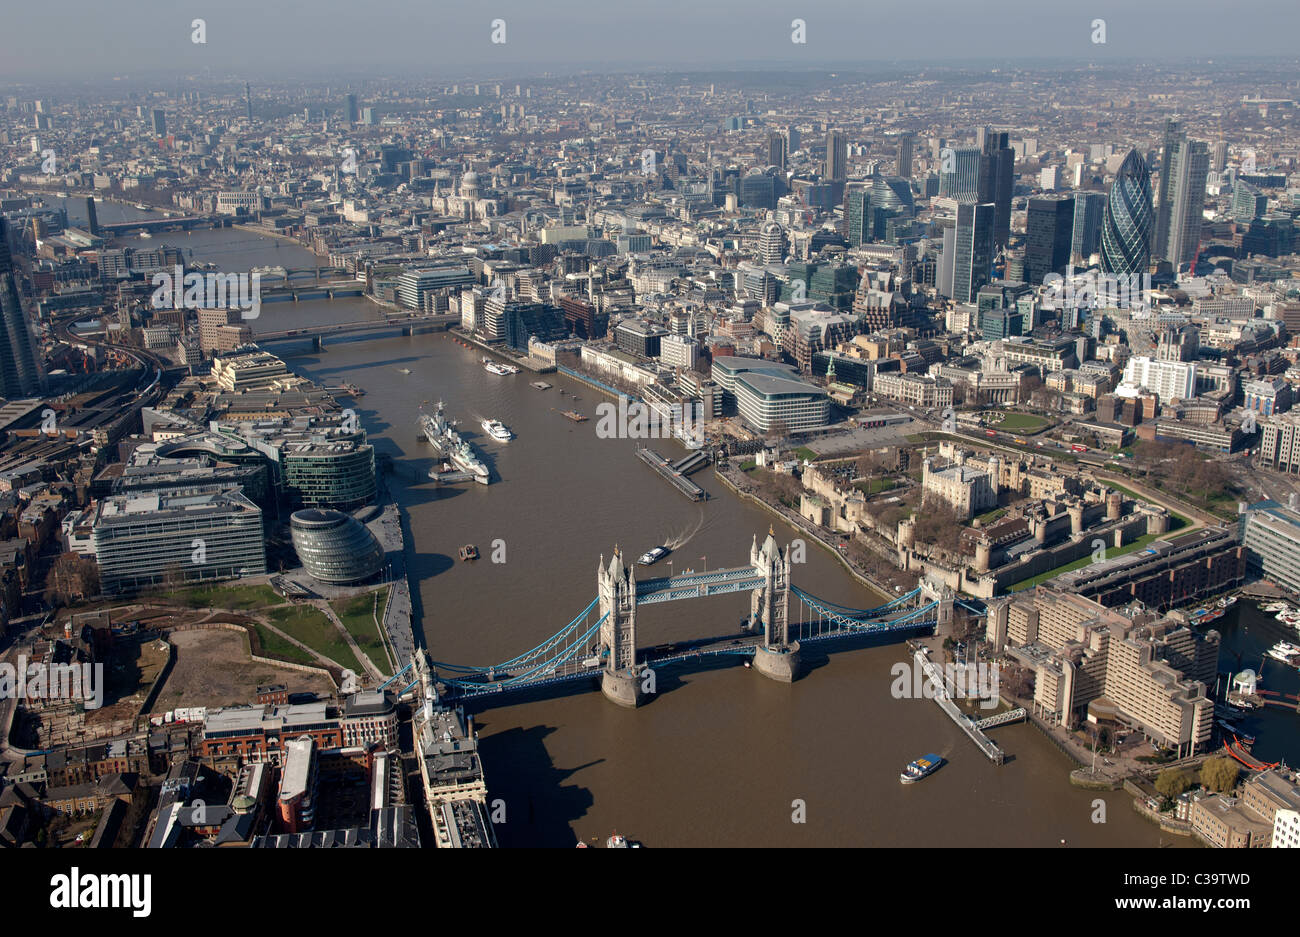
540 806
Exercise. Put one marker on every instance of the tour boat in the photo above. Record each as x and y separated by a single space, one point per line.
497 430
650 557
921 768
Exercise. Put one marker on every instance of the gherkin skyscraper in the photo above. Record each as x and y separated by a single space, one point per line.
1126 229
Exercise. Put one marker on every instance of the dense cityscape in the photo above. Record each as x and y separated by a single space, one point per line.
320 399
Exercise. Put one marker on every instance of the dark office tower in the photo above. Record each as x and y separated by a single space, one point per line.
904 162
776 154
857 217
997 177
1173 134
248 102
837 157
159 118
792 139
1186 166
1089 209
20 374
974 249
92 219
350 112
1126 226
1049 227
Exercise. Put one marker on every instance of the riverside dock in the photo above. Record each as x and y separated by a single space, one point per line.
676 476
970 727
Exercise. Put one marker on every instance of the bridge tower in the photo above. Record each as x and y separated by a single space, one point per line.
932 590
777 657
616 588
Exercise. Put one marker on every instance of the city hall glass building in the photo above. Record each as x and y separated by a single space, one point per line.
335 547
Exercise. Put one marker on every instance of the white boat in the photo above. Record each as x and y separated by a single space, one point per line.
1277 652
145 234
650 557
497 430
496 367
404 370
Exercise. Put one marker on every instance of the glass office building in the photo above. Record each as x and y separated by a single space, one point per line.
179 535
1126 228
335 547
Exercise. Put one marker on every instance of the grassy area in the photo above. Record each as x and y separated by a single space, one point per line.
876 485
803 452
358 615
1020 421
228 597
275 646
1137 544
748 467
312 628
991 516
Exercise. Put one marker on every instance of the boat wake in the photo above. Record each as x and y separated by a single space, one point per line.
677 541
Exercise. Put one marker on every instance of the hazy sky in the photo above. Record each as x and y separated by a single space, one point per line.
40 39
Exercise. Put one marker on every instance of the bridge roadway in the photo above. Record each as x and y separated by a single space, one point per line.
389 322
579 664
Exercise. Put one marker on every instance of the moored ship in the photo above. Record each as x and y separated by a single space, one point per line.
442 434
496 367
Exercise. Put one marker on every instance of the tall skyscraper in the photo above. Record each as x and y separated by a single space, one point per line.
973 260
959 173
1089 209
1173 134
776 154
20 371
837 156
792 139
1126 226
1186 166
248 102
92 219
904 162
857 217
1220 161
350 112
1049 227
159 118
997 174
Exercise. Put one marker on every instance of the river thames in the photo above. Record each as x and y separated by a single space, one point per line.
718 757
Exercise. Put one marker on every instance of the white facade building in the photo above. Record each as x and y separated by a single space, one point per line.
1168 380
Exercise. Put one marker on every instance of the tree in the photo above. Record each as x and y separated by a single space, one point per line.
1219 774
1172 782
72 577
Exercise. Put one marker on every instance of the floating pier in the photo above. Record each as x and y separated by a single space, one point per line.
672 474
967 725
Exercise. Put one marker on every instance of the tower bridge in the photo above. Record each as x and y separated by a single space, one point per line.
601 641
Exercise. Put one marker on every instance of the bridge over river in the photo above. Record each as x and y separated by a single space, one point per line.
601 640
